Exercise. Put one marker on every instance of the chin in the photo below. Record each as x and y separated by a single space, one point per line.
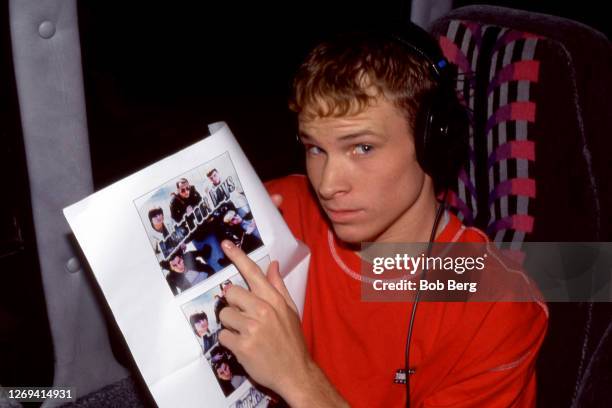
353 234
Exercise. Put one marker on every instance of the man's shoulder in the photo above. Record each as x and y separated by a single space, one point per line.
456 231
174 200
293 183
299 207
500 275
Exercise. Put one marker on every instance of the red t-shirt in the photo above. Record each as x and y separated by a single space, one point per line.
465 354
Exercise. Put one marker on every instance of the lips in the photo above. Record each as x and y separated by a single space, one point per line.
342 215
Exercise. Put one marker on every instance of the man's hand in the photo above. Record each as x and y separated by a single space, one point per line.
263 330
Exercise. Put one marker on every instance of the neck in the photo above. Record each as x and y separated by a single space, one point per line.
414 224
419 230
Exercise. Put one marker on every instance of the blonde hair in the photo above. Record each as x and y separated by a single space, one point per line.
346 75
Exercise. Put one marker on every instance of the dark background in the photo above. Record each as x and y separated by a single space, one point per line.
155 76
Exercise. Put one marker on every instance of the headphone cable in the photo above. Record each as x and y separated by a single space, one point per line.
432 237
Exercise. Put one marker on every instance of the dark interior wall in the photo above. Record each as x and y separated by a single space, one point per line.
155 75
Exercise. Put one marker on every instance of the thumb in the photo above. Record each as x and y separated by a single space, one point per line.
276 280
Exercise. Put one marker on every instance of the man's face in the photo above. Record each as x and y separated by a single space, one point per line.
234 218
201 327
364 171
183 189
177 264
215 178
158 222
224 372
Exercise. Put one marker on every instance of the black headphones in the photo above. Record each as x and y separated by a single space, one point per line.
440 135
442 122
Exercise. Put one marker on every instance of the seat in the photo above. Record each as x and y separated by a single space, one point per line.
536 87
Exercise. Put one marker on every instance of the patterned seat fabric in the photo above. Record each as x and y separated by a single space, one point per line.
534 156
503 110
538 88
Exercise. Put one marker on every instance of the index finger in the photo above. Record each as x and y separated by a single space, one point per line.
249 270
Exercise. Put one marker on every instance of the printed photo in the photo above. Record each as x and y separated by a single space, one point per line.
229 373
203 312
186 219
203 316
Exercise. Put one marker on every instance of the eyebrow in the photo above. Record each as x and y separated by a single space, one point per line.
350 136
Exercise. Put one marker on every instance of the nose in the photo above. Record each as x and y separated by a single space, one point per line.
334 179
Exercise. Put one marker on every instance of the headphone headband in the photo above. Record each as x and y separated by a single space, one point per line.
423 45
436 65
442 124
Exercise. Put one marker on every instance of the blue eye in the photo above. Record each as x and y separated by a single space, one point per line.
363 149
313 150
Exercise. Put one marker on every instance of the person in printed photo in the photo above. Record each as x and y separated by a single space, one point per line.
243 233
185 270
221 300
160 229
184 202
236 195
228 371
164 238
225 230
201 328
233 218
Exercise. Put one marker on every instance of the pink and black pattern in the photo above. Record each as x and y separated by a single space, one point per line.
539 88
460 47
502 151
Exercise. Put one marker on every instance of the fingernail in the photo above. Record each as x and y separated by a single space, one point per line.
227 244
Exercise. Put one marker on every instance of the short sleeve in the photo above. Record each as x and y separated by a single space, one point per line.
298 202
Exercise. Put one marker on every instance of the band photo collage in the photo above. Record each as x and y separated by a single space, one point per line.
185 220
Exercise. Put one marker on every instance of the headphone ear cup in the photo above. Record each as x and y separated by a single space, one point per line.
457 146
421 136
444 138
441 123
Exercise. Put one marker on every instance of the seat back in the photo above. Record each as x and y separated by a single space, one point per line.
539 131
537 88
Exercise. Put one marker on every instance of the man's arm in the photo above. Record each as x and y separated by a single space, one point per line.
196 197
263 330
175 211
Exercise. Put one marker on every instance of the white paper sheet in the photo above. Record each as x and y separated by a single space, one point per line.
131 261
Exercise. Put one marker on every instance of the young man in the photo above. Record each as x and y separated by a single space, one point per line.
360 101
185 271
242 233
228 372
184 200
199 324
221 300
160 229
220 192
